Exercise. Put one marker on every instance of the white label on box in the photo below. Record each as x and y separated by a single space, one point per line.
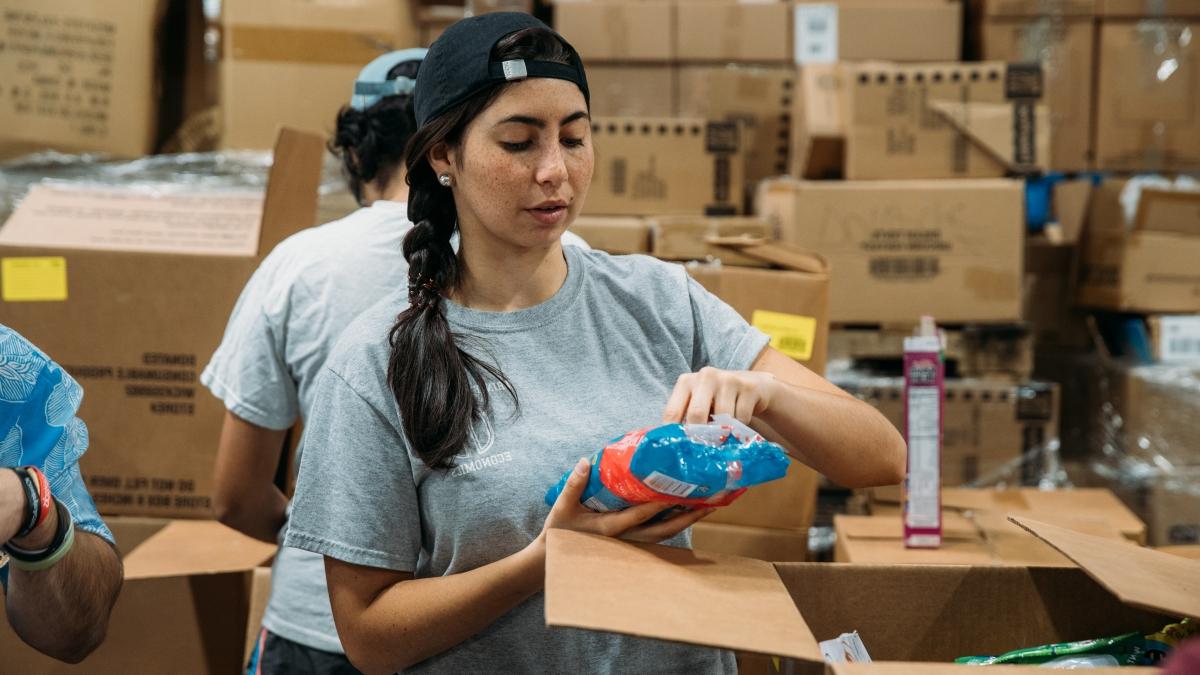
137 220
1180 339
816 33
669 486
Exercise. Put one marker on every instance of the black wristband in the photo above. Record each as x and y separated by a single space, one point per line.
29 487
60 534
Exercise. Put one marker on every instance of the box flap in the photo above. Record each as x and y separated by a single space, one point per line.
779 254
921 668
1138 576
991 127
293 187
187 547
1071 200
1168 211
600 583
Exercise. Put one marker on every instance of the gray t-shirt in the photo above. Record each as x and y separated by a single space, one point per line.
596 360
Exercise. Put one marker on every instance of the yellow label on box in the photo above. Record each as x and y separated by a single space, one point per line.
791 334
33 279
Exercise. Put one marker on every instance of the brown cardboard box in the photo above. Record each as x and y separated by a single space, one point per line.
136 328
615 234
604 584
1093 510
1147 9
1170 504
692 237
1049 293
1184 551
631 90
433 20
1060 36
79 76
819 122
791 304
751 542
731 30
1151 268
293 62
989 351
945 120
184 606
618 30
900 249
989 426
982 538
665 166
1147 95
759 97
887 30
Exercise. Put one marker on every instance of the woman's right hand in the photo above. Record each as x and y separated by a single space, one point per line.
568 514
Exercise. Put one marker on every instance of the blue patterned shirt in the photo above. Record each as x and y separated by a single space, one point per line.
38 426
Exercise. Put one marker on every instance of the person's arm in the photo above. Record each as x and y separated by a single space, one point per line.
831 431
245 496
389 621
61 611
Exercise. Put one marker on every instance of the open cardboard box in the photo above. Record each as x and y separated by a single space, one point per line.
1077 508
184 608
904 613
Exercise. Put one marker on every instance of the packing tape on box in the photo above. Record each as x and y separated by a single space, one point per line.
306 45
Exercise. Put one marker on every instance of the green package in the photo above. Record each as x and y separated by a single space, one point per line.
1131 649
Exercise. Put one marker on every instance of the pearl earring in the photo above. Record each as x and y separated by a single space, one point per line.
445 180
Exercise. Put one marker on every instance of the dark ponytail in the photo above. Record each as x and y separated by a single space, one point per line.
371 143
441 390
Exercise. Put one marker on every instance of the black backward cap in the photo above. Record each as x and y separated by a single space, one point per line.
459 63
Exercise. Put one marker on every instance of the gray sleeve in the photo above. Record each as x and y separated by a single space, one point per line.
247 372
722 337
355 500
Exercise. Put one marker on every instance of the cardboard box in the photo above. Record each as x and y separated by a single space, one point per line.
135 325
945 120
293 62
1147 95
1184 551
900 249
1094 510
1060 36
694 237
1149 268
904 613
860 30
1147 9
666 166
730 30
184 606
630 90
1170 504
819 122
989 426
618 235
1049 293
751 542
973 538
634 31
79 76
991 351
791 304
1174 338
760 98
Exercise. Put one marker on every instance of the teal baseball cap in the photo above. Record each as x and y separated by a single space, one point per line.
375 81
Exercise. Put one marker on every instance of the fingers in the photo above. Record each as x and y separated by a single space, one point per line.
701 403
677 403
725 400
622 521
745 407
576 484
652 534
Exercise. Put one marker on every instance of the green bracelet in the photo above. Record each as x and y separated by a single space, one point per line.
43 563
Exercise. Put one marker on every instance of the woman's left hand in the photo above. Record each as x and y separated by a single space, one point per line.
712 391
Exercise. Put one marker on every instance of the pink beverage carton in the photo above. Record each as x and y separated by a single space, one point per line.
924 391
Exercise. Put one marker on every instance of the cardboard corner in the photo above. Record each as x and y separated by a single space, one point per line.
990 127
1138 576
293 186
604 584
188 547
779 254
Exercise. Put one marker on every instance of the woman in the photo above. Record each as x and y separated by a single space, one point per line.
435 435
281 331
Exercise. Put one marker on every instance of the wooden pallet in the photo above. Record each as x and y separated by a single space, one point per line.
990 351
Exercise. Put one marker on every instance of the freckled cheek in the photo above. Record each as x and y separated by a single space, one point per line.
580 170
